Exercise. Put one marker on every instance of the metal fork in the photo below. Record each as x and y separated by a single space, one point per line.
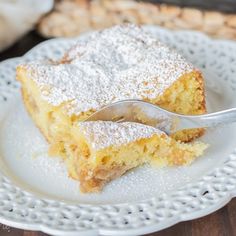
134 110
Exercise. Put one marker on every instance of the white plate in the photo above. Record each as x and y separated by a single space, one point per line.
35 192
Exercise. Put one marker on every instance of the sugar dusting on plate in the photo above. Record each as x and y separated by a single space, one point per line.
48 175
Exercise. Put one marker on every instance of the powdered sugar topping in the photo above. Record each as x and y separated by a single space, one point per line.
122 62
102 134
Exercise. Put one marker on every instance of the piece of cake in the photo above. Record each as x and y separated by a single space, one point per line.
100 151
122 62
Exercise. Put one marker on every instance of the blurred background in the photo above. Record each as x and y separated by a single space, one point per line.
24 23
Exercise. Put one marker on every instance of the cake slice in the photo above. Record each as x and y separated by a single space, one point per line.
100 151
123 62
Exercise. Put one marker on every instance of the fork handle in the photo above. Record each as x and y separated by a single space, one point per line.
208 120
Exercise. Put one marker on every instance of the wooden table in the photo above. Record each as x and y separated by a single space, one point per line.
220 223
